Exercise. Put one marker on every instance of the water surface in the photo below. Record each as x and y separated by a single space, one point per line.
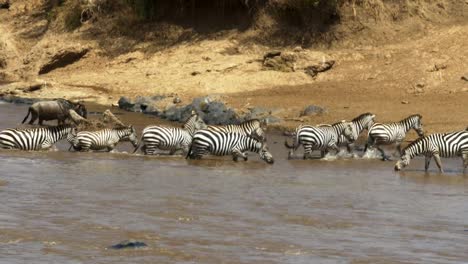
66 207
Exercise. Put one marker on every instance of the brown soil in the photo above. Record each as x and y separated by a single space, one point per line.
392 69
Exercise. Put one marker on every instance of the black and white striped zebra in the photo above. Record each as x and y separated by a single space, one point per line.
437 145
220 143
253 127
170 138
103 139
363 121
323 138
41 138
393 133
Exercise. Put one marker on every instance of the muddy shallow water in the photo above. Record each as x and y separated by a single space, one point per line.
65 207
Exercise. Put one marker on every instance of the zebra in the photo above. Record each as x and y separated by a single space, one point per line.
437 145
103 139
219 143
41 138
170 138
323 138
393 133
253 127
361 122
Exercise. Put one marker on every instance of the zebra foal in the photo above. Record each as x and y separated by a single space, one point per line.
437 145
41 138
170 138
103 139
323 138
393 133
219 143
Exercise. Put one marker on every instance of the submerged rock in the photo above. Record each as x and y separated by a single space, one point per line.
129 244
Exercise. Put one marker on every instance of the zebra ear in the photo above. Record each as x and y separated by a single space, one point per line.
193 112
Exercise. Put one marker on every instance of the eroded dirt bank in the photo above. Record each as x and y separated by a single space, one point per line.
392 69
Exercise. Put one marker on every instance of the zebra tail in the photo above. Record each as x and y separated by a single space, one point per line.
295 141
138 145
26 117
189 152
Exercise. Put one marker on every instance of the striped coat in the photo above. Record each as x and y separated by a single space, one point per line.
219 143
41 138
323 138
253 127
437 145
103 139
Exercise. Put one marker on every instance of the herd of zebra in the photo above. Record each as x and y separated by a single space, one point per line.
196 139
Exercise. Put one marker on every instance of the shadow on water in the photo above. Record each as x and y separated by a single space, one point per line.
69 207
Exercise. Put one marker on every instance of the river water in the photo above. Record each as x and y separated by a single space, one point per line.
66 207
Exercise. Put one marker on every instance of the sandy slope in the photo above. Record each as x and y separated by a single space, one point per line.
375 78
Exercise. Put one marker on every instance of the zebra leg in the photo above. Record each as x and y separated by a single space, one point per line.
384 157
427 162
307 152
236 154
465 161
110 148
438 162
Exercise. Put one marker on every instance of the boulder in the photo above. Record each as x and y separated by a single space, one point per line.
145 104
313 70
211 111
313 110
5 4
63 58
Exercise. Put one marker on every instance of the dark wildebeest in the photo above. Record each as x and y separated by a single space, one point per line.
54 110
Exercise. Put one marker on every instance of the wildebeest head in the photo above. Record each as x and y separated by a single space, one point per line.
80 109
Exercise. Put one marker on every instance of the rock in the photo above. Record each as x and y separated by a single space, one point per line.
271 54
63 58
5 4
465 77
126 104
404 102
313 110
211 111
33 87
35 30
3 63
129 244
297 49
177 100
194 73
145 104
313 70
278 64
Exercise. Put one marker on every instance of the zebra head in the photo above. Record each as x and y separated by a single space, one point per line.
366 120
348 131
129 134
194 123
265 154
258 134
416 124
403 162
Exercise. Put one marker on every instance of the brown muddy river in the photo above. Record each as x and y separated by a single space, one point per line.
65 207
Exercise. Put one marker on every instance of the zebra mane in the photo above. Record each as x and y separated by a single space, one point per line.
361 116
414 143
415 115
